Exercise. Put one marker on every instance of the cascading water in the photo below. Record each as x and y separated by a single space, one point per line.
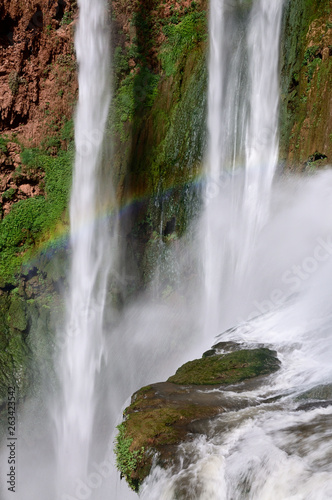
262 127
267 256
80 358
243 132
271 450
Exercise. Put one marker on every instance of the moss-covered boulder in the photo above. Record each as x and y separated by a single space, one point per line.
163 415
227 369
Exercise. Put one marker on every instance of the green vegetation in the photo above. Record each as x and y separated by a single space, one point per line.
67 18
150 425
227 369
8 195
301 82
135 91
30 219
127 460
14 82
3 144
312 59
181 38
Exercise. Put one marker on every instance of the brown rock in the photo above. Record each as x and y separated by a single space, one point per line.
30 46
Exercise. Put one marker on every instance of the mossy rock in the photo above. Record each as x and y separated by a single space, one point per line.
162 416
227 369
156 421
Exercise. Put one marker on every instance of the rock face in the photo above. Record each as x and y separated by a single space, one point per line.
306 85
162 416
37 63
38 89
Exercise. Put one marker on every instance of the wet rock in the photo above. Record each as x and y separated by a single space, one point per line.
163 415
313 405
320 392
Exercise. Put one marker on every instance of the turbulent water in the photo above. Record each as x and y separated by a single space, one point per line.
265 249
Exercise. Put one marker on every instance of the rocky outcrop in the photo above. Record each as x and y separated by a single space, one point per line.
306 85
164 415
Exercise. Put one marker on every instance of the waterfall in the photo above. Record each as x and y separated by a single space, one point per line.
266 249
243 135
81 355
261 148
265 241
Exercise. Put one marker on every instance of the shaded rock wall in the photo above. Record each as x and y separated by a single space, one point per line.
306 84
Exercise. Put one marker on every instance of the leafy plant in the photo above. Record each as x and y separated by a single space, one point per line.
8 195
30 158
120 61
67 19
126 460
67 131
3 144
14 82
310 54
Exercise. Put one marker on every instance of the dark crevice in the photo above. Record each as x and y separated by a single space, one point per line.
36 22
60 10
8 287
170 227
13 121
7 27
315 157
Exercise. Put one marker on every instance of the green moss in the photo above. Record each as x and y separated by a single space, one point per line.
227 369
135 92
147 429
14 367
181 38
17 313
161 416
